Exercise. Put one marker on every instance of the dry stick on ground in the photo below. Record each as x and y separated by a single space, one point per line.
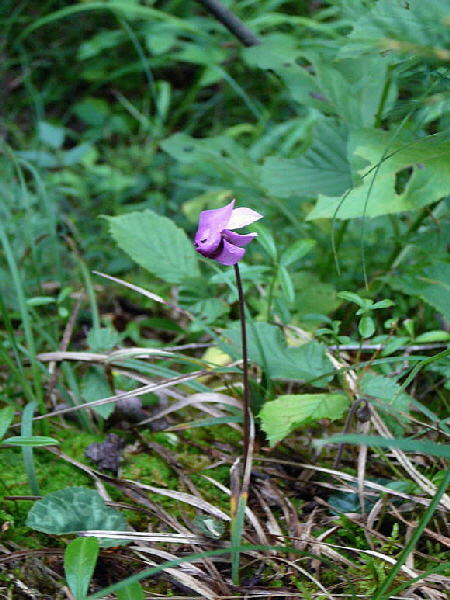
231 22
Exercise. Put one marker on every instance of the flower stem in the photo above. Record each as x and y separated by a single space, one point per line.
247 410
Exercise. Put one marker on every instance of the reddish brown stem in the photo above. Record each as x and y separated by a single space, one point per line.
246 403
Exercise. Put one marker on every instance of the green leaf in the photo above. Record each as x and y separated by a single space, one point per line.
266 240
6 418
219 155
366 326
386 390
296 251
268 349
93 111
283 415
286 285
431 282
383 304
80 559
410 445
432 337
52 135
156 244
351 297
323 169
385 158
420 27
32 441
132 591
102 339
95 386
40 301
75 509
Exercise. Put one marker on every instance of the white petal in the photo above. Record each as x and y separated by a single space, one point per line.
240 217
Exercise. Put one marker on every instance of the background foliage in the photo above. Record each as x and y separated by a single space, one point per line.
121 120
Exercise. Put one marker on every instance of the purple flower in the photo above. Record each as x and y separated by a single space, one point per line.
214 238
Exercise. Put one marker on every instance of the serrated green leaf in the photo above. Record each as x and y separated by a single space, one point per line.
102 339
296 251
323 169
156 244
32 441
80 559
384 157
75 509
283 415
95 386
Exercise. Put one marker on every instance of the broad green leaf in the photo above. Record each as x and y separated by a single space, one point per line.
95 386
323 169
286 413
355 87
102 339
133 591
75 509
413 27
6 418
157 244
32 441
80 559
278 53
431 282
385 158
296 251
268 349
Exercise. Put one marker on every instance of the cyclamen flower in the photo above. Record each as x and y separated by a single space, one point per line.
214 238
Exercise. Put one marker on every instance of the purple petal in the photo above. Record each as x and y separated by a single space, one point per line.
238 239
240 217
210 226
230 254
